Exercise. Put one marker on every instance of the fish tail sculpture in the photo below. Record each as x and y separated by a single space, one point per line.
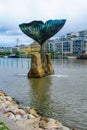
40 31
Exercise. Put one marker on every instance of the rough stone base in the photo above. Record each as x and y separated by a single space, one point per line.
40 66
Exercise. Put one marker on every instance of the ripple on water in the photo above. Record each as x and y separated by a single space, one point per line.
62 96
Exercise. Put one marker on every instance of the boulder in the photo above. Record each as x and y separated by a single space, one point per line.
33 112
40 65
29 124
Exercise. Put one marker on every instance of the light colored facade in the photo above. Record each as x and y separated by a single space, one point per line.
9 49
74 46
6 49
72 43
25 50
34 47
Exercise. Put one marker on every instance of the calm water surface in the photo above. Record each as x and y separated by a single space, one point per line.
62 96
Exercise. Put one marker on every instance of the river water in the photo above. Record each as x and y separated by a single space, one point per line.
62 96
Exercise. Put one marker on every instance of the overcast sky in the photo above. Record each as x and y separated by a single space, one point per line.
15 12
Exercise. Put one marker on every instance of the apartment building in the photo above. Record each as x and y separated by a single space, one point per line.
72 43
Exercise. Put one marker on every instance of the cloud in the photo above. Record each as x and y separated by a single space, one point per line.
13 13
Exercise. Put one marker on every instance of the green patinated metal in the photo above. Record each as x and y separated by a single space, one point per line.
40 31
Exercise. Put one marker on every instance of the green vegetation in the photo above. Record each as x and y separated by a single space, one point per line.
4 53
3 126
17 53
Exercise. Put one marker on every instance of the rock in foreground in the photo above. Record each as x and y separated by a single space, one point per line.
27 118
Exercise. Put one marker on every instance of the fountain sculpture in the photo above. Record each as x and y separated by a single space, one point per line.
40 32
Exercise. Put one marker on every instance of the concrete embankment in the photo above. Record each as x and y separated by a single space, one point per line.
25 118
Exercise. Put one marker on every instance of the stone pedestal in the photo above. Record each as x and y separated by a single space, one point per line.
40 65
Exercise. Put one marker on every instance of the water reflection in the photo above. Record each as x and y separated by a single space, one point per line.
41 97
15 62
40 93
63 96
